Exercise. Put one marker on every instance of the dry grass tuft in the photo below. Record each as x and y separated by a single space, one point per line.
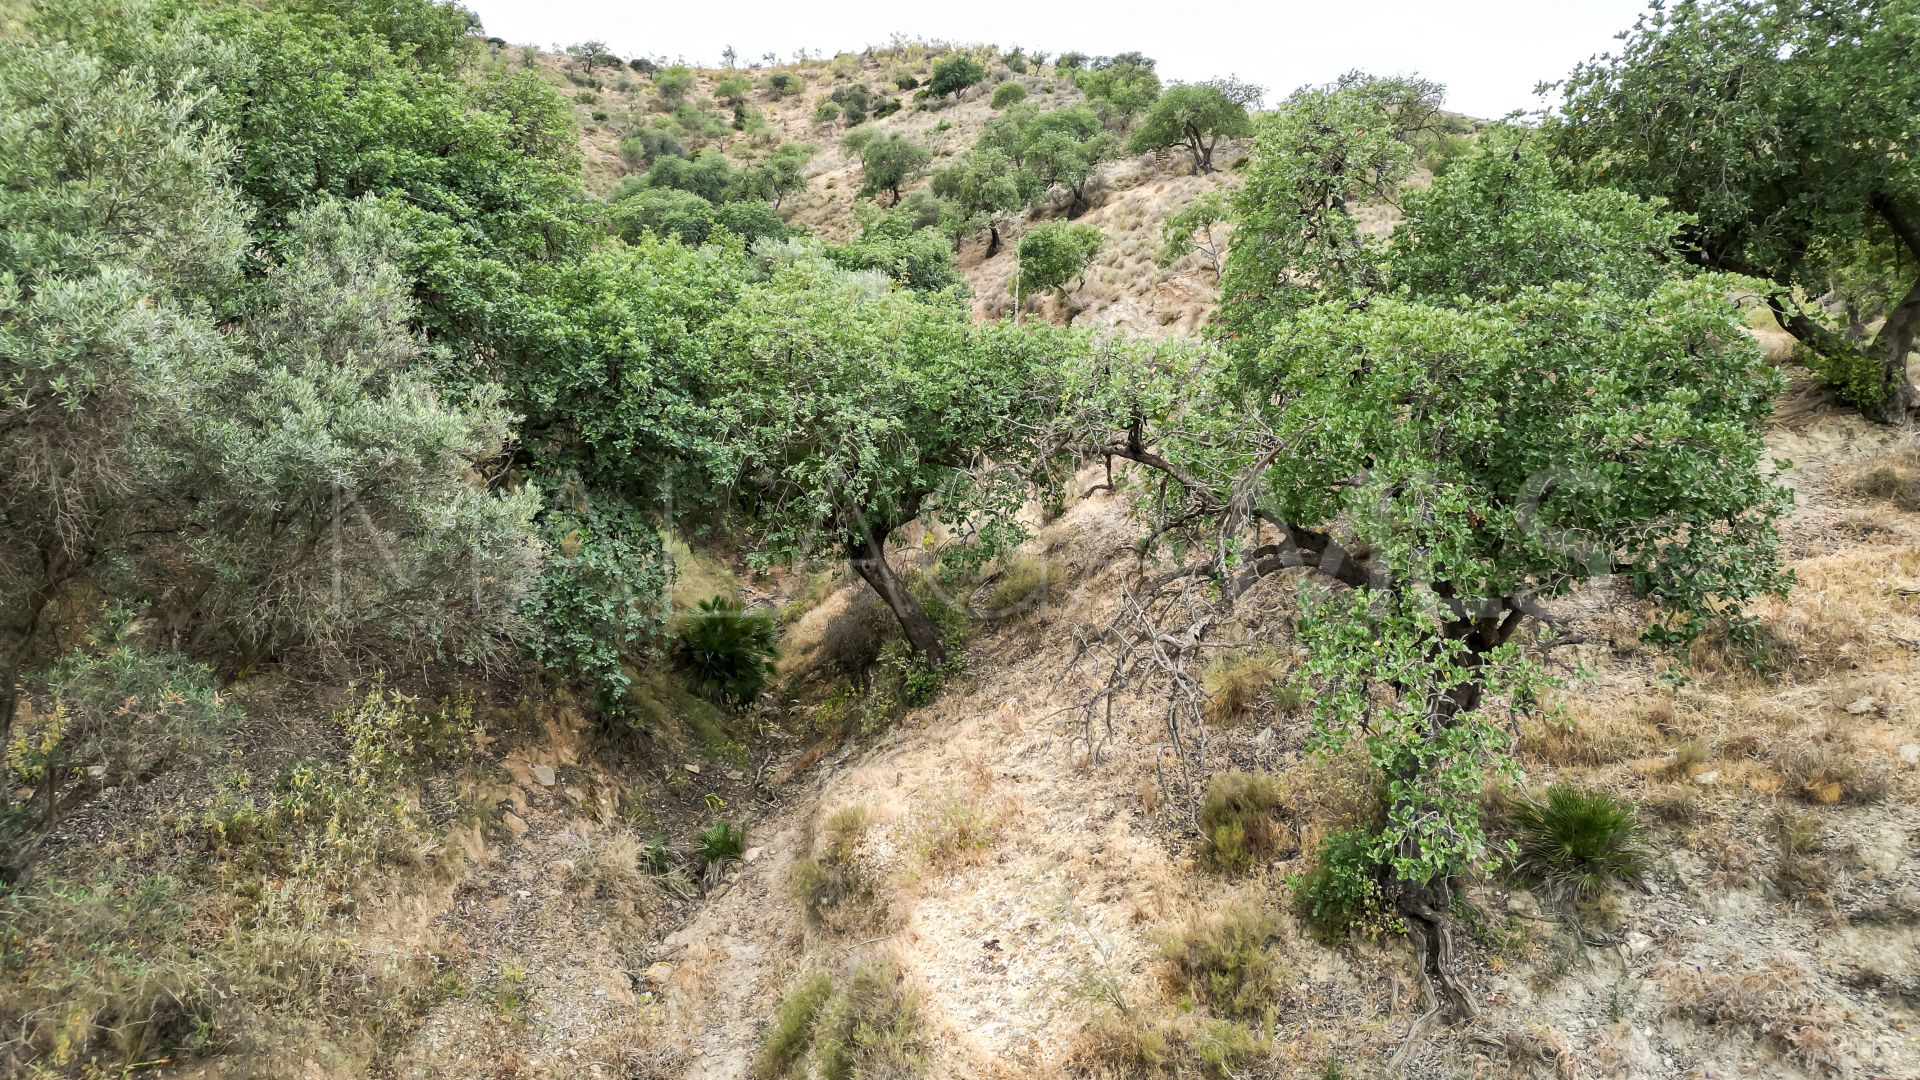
1590 735
611 869
834 886
1226 959
1238 684
1778 1003
1828 767
949 830
1130 1046
1239 816
1020 585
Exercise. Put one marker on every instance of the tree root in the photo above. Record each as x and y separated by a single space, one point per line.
1441 990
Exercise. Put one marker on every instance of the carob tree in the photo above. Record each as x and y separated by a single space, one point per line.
1523 391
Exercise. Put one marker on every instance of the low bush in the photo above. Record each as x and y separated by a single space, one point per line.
728 651
1021 584
1239 816
1577 842
1237 683
1226 960
835 889
1008 93
863 1025
1343 893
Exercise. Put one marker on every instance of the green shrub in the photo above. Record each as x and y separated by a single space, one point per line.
782 84
905 79
597 601
1239 818
833 887
792 1029
864 1025
1227 960
1009 93
719 843
1577 842
728 651
1236 682
115 714
1343 891
827 113
1054 253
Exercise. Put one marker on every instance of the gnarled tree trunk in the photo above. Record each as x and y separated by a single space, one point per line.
869 558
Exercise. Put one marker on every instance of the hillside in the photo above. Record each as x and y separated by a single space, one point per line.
409 714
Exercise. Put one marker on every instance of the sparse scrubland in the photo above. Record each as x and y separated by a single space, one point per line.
952 560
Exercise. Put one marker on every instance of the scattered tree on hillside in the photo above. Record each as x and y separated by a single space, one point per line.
593 53
889 162
782 173
1197 227
733 89
1787 130
1197 117
1056 252
1123 85
854 410
1060 148
954 74
985 188
1442 460
671 85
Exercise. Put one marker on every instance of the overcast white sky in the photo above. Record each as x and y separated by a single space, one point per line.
1489 53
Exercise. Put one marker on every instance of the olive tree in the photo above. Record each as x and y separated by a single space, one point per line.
1441 461
1197 117
1787 131
281 479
